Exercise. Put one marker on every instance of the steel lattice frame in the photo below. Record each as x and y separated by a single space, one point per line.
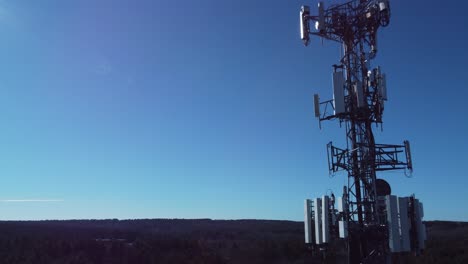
354 24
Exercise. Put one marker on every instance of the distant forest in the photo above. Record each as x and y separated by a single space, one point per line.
188 241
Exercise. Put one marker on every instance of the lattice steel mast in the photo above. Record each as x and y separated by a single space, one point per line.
359 96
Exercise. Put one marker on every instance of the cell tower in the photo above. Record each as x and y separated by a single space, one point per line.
369 222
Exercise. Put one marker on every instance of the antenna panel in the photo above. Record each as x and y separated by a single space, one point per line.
343 229
325 220
317 105
404 224
308 221
424 232
320 24
338 92
393 225
408 155
421 210
359 94
383 87
342 205
304 24
318 220
420 228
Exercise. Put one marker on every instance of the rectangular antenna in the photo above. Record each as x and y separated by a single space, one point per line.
317 105
318 220
343 229
308 221
408 155
320 24
342 205
420 228
383 87
338 92
325 220
304 24
393 224
404 224
359 94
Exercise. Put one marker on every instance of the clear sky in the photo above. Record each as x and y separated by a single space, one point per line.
203 109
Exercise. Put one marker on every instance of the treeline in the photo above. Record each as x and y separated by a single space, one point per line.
189 241
152 241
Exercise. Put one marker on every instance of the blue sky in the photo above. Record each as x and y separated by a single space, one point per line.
203 109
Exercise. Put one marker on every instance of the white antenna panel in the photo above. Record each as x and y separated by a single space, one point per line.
359 94
305 11
325 220
318 220
341 204
308 221
343 229
404 224
338 92
393 225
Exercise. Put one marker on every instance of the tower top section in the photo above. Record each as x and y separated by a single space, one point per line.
351 21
